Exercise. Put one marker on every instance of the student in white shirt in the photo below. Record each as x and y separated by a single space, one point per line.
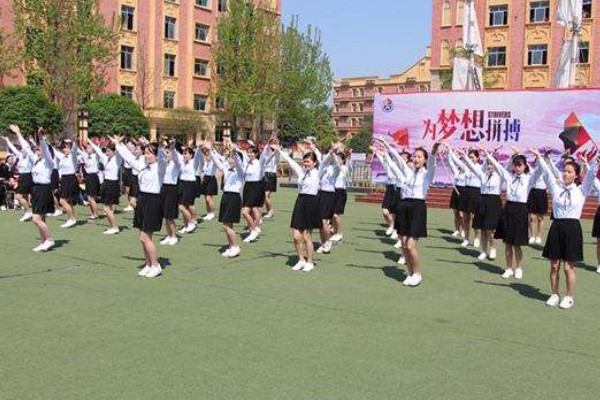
170 193
254 194
148 211
537 204
564 243
25 159
209 187
513 226
343 168
412 220
458 191
110 190
270 175
136 164
230 209
90 163
68 187
390 199
42 200
305 217
190 160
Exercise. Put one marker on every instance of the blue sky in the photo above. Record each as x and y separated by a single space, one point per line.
368 37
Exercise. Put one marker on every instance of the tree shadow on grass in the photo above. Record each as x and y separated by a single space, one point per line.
164 262
58 244
292 258
445 231
522 288
390 272
586 267
491 268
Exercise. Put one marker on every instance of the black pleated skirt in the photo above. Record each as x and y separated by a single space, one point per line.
110 192
326 204
92 185
596 226
55 180
126 177
565 241
411 219
513 226
390 198
488 212
230 209
341 197
469 199
254 194
170 201
25 186
306 213
270 181
148 214
209 186
42 200
134 186
188 192
455 197
68 189
537 201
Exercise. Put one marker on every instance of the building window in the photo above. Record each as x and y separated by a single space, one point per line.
496 56
584 53
126 57
170 64
424 88
222 5
380 89
199 102
537 54
170 27
220 103
169 99
539 12
460 12
445 53
499 15
586 9
447 13
202 32
127 14
127 91
202 3
200 67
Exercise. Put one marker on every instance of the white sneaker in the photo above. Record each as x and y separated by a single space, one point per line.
26 217
142 272
519 273
45 246
408 281
492 255
398 244
394 235
269 215
325 248
208 217
538 240
336 238
299 265
154 272
476 243
2 208
183 230
416 280
567 302
39 247
57 213
191 227
129 208
464 243
598 270
402 260
308 267
112 231
462 234
389 231
532 240
553 301
320 250
173 241
252 236
69 223
482 256
455 233
165 241
509 273
233 252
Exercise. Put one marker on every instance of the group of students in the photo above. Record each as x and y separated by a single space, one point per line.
477 205
164 180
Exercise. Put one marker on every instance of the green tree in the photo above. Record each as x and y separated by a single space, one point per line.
30 108
186 123
306 80
246 70
362 139
69 46
112 113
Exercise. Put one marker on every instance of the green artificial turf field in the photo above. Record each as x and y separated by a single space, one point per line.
78 323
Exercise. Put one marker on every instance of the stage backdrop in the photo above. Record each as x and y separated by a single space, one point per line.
548 119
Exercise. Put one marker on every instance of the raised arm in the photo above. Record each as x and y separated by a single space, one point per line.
127 155
504 174
24 143
101 156
12 148
293 164
46 152
393 167
535 175
590 178
474 168
218 159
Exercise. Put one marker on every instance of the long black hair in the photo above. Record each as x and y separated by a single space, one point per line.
520 159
